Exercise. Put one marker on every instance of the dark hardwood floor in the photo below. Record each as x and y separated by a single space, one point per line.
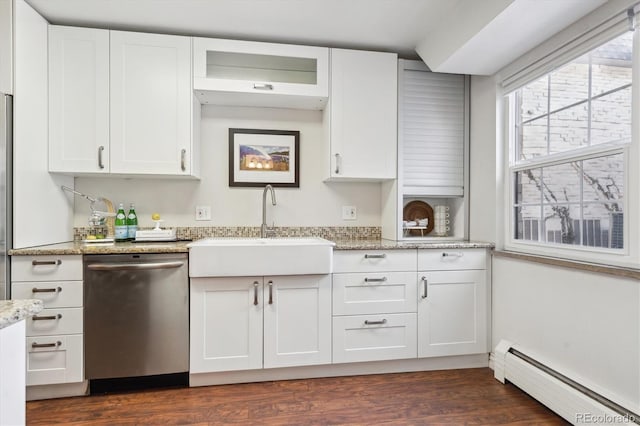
454 397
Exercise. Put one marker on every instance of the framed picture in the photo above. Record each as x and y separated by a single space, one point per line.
261 157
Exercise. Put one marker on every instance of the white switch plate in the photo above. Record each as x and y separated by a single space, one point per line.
349 213
203 212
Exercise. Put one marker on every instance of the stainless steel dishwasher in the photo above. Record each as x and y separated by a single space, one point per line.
136 313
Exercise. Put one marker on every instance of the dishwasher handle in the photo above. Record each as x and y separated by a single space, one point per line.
133 266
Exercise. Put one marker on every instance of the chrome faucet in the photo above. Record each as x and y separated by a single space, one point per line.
264 229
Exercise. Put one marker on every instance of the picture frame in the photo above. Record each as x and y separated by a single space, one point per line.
260 157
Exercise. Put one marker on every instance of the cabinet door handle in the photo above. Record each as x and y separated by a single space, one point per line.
375 280
35 345
270 292
46 290
337 164
452 254
46 318
100 151
255 293
183 159
367 322
425 287
262 86
46 262
375 256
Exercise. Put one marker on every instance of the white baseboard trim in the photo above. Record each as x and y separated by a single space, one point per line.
61 390
335 370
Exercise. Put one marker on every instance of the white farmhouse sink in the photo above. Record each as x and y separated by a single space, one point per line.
224 257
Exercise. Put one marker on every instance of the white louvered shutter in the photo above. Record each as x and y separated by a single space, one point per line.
433 133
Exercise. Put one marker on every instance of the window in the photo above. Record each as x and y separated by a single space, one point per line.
570 132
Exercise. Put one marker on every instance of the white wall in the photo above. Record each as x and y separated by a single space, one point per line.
315 203
42 213
585 324
6 46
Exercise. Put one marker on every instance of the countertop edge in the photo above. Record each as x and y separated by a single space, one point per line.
13 311
77 248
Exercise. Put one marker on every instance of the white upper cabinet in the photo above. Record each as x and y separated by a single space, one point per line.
121 103
361 115
150 104
78 100
232 72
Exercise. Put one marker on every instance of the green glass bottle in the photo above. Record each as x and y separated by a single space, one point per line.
121 224
132 222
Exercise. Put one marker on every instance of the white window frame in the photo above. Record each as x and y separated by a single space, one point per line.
628 255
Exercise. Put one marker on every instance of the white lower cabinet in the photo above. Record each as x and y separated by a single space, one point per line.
374 305
54 352
452 304
244 323
374 337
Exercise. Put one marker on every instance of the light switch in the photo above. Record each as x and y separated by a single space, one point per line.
203 212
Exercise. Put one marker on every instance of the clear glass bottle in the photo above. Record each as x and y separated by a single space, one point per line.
121 224
132 222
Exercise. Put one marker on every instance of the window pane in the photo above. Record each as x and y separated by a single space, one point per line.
570 84
527 223
534 139
561 183
534 98
604 182
528 187
569 129
562 223
611 64
611 117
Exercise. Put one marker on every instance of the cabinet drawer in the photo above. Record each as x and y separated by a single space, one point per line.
446 260
374 260
374 337
55 321
372 293
46 268
54 359
54 294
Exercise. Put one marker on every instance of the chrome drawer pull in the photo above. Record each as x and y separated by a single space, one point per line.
46 290
35 345
337 164
259 86
100 151
183 155
375 256
367 322
425 287
46 262
455 254
46 318
255 293
375 280
270 292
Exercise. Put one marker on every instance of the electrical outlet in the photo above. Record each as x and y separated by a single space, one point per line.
203 212
349 213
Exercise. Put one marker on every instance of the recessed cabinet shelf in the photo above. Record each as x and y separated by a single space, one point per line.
232 72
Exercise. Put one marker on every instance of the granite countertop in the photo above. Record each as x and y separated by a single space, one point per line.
395 245
13 311
102 248
181 247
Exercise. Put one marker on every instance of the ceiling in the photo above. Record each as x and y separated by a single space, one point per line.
462 36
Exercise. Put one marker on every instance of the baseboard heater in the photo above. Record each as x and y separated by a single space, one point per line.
569 399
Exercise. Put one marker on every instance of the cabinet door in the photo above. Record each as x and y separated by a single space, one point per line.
452 313
78 100
297 320
226 324
150 104
363 114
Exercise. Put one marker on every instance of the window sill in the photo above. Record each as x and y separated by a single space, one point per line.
617 271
